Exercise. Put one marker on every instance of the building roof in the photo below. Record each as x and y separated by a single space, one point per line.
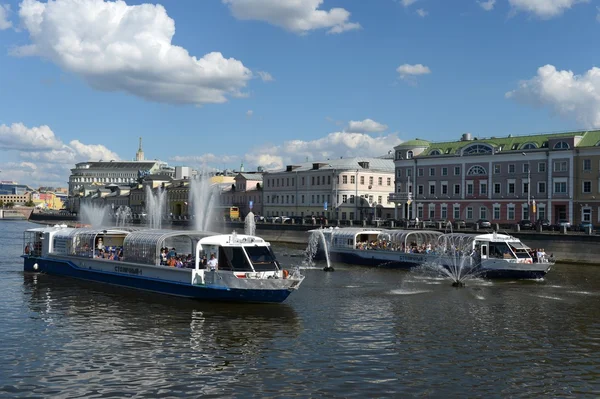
414 143
358 163
252 176
141 165
508 143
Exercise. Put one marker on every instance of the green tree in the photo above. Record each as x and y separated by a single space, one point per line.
30 203
1 204
10 204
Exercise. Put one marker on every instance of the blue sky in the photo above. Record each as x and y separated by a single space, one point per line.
273 82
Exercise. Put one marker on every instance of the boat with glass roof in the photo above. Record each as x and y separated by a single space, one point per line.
172 262
492 255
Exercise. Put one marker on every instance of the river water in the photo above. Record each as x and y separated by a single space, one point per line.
357 332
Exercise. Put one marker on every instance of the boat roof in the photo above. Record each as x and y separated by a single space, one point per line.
406 235
349 231
229 239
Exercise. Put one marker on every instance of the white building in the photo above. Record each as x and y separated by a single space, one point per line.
343 189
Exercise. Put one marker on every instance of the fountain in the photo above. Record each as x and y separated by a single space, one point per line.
456 259
96 215
123 216
250 224
202 201
313 246
155 206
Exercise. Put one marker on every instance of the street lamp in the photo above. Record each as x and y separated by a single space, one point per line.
528 187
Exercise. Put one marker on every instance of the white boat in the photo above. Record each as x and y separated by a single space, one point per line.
491 255
246 271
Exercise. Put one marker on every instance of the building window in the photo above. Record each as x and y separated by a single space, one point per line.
420 172
542 167
420 189
482 188
483 212
511 188
560 166
408 172
352 199
525 188
476 170
380 181
370 180
420 211
587 165
409 155
362 180
477 149
560 187
526 212
456 212
469 188
445 189
444 214
389 181
525 168
352 179
431 171
431 211
587 187
529 146
456 170
497 168
511 212
541 187
586 215
457 189
511 168
444 171
379 200
496 212
541 211
561 145
344 198
344 179
399 172
469 213
432 188
497 188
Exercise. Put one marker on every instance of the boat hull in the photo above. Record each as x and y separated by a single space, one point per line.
398 260
131 279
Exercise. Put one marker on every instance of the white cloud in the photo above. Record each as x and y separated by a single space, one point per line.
567 94
487 5
42 158
422 13
265 76
19 137
4 21
117 47
334 145
298 16
410 72
407 3
544 8
598 14
366 126
249 113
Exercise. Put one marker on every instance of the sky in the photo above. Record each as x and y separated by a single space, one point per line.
218 83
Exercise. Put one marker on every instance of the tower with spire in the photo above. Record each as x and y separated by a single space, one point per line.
139 155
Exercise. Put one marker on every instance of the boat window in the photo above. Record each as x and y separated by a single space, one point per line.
233 258
500 250
521 252
262 258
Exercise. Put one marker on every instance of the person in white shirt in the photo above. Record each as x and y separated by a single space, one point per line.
212 263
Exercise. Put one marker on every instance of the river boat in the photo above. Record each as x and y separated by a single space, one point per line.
246 269
10 214
490 255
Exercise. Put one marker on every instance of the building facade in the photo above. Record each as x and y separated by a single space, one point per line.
245 193
342 189
504 180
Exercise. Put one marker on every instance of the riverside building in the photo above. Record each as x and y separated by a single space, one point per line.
342 189
501 179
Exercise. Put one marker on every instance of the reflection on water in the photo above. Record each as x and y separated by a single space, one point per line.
358 332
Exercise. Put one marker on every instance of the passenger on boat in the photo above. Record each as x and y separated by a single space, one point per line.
212 263
27 250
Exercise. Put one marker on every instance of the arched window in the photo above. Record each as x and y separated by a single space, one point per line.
561 145
477 149
476 170
529 146
409 155
435 152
